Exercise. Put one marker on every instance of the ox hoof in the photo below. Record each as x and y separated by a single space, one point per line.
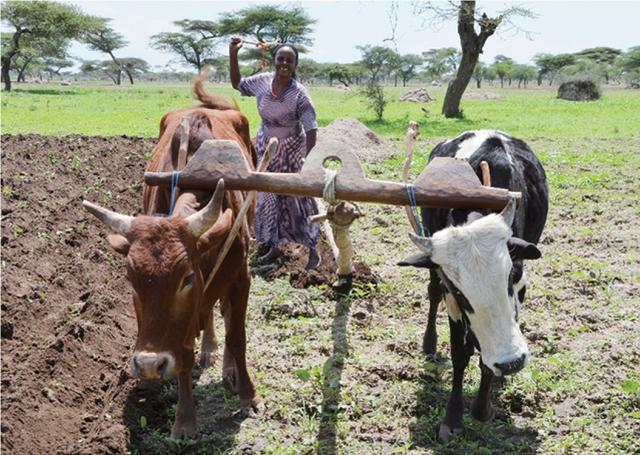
230 379
252 408
482 413
183 431
430 349
445 432
207 359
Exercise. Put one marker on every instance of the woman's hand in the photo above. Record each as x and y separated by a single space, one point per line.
235 44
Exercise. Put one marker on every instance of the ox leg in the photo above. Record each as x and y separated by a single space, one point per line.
209 344
236 340
184 426
481 408
229 375
430 339
452 423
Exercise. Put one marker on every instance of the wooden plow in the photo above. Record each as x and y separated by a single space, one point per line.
444 183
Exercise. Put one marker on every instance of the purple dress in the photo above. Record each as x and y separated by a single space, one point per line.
283 219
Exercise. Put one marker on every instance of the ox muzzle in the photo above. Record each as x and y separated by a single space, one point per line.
152 365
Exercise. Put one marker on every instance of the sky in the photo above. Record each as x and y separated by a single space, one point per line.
567 26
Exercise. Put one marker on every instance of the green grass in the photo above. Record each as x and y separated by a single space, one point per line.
136 111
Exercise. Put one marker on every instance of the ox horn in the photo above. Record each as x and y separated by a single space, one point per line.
509 211
200 221
423 243
118 223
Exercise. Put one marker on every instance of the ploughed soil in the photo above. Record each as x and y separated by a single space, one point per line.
337 375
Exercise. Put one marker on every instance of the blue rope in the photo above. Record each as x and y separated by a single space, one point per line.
175 176
411 192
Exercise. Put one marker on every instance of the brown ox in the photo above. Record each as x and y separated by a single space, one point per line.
168 260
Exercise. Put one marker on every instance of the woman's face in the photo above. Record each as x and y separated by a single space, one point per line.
285 61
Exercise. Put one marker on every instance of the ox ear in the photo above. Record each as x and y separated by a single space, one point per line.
217 233
119 243
201 221
420 260
521 249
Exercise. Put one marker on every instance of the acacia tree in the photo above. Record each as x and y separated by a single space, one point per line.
479 73
502 66
195 44
338 72
39 20
629 65
267 24
523 73
53 65
438 62
549 65
472 41
409 65
603 56
376 58
104 39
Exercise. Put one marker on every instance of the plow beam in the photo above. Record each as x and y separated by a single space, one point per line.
445 182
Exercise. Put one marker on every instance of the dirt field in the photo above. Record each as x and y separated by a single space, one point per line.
337 375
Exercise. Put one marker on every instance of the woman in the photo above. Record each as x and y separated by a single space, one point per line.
287 113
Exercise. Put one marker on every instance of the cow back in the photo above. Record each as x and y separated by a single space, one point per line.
204 124
513 166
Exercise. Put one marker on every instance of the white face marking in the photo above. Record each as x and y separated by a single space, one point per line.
468 147
476 259
517 287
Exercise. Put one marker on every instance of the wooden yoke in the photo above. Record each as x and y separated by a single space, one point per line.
445 182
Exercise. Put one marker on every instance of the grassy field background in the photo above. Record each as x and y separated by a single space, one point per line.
136 111
347 375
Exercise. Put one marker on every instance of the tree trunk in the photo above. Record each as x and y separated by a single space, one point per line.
457 86
472 44
130 76
478 81
6 78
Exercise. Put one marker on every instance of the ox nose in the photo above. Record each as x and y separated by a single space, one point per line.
512 366
150 365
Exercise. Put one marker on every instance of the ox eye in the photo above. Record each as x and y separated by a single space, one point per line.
187 281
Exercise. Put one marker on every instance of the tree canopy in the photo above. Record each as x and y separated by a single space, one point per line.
50 24
195 44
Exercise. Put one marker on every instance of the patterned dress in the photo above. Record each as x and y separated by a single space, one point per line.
283 219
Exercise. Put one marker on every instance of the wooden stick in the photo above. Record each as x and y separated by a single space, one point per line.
412 133
444 182
486 173
269 152
184 143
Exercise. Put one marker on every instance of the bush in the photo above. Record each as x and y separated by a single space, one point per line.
579 91
374 94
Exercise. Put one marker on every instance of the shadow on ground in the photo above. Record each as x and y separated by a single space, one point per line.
331 385
500 435
149 412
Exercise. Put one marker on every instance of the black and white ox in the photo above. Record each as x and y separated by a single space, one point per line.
476 266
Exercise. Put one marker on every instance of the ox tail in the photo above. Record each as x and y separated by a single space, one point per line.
210 100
